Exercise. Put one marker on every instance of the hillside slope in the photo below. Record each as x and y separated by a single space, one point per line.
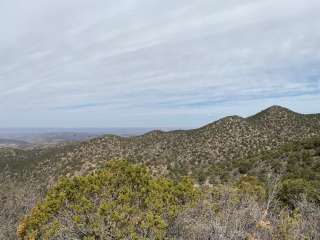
227 139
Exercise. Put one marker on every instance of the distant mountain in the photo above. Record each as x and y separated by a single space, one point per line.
4 143
11 141
60 137
44 139
47 137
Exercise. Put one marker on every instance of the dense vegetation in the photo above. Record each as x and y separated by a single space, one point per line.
296 165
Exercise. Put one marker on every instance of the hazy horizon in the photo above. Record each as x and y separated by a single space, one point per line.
25 133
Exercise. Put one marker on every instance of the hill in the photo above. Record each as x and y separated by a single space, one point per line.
181 152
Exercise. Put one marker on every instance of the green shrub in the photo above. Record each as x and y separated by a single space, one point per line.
245 166
121 201
292 191
251 186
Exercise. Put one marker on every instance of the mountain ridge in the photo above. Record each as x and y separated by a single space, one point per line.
227 139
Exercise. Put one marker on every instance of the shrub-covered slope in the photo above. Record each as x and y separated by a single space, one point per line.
225 140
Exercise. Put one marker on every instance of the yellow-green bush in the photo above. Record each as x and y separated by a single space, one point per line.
121 201
251 186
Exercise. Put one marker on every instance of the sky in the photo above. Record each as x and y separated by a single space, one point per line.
148 63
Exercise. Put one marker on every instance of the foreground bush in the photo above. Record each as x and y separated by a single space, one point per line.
122 201
16 200
228 213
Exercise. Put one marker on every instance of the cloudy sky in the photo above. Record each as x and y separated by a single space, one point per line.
155 63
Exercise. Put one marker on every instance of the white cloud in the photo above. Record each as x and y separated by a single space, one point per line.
150 60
